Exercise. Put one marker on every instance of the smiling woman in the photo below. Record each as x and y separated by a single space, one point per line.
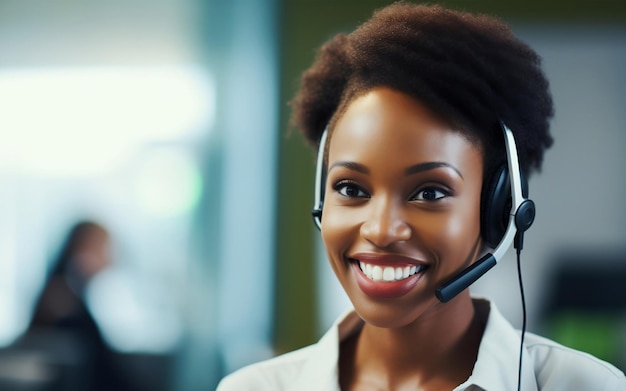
426 120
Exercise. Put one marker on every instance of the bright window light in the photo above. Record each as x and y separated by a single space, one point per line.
84 121
167 183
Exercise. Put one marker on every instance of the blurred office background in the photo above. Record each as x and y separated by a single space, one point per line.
166 122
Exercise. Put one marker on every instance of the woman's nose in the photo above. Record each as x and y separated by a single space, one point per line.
386 224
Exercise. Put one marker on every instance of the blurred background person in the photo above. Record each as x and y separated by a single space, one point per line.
62 323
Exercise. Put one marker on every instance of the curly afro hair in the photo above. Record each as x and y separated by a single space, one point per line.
468 69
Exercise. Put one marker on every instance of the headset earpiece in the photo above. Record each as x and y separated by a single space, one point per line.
317 215
496 205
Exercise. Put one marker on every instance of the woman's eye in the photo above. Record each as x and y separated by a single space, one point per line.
350 190
429 194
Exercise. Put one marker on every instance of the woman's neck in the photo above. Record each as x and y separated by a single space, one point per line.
437 350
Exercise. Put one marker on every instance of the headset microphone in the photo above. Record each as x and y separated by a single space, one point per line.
520 217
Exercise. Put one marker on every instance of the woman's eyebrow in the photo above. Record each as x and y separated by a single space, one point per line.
351 166
430 166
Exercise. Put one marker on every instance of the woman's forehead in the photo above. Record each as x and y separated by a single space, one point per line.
395 121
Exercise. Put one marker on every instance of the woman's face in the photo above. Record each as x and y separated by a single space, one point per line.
402 206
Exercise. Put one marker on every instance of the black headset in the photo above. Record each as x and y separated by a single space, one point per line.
506 213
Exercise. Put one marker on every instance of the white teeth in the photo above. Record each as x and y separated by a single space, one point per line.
389 273
377 273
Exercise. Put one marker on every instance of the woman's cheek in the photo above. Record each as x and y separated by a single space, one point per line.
452 239
335 233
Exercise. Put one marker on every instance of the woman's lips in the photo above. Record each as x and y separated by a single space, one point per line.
386 276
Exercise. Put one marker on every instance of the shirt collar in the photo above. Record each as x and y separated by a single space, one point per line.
321 370
496 366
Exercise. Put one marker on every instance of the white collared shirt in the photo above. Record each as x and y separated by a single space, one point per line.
546 365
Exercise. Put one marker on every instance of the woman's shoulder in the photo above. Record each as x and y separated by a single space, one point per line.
313 367
554 362
271 374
